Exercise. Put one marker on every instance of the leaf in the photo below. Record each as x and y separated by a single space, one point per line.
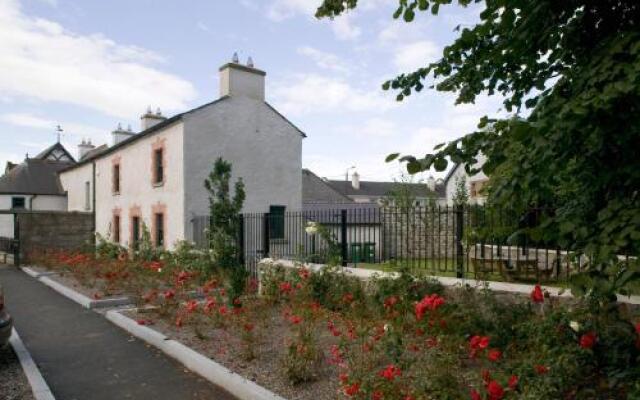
391 157
434 8
440 164
409 15
414 167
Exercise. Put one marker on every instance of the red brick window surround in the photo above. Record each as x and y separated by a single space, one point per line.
158 162
135 227
159 225
115 226
115 175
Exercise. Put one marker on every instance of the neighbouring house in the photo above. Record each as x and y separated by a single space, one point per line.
363 192
154 178
34 185
475 184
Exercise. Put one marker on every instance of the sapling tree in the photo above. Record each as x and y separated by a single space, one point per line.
224 208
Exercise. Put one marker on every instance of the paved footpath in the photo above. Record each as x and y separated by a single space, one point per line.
82 356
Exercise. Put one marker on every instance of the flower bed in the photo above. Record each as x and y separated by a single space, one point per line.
326 335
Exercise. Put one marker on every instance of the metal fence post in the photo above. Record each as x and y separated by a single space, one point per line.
241 239
265 235
16 240
459 210
343 236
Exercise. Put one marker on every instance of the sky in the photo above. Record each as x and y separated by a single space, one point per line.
92 64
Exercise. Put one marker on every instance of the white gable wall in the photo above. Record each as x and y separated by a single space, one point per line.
33 202
74 181
459 173
263 148
137 192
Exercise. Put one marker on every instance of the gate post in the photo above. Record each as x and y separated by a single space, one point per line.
343 236
265 235
459 212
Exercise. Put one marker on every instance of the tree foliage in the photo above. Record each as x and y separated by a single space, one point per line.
224 210
569 71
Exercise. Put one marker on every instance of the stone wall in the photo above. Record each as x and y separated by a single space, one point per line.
53 230
419 234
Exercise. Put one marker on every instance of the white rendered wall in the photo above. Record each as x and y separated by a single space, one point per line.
459 173
36 203
73 182
263 148
137 189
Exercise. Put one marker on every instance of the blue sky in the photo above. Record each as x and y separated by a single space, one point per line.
89 65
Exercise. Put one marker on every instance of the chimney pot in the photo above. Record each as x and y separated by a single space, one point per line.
84 147
250 62
355 180
235 58
149 119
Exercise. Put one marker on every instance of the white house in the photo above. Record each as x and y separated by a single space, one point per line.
156 176
474 183
33 185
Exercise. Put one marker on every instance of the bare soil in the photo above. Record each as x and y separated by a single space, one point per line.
13 381
226 348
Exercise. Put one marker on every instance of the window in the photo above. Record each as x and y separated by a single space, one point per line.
135 232
18 203
159 231
276 222
87 195
116 178
158 168
116 228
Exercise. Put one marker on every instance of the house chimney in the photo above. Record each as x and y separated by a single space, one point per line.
237 80
149 119
355 180
84 147
120 135
431 183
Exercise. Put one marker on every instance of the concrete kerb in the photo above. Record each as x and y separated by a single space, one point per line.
366 274
210 370
37 274
38 385
79 298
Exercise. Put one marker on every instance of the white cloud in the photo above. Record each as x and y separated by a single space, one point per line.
324 60
344 29
409 57
280 10
203 27
69 128
375 127
43 61
312 93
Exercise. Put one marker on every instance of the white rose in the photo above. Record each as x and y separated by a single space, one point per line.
386 327
311 229
574 325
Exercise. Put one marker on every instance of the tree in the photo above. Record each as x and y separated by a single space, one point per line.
224 210
570 73
461 195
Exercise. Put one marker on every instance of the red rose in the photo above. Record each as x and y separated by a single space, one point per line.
536 295
513 382
541 369
352 389
494 355
391 372
495 391
475 395
588 340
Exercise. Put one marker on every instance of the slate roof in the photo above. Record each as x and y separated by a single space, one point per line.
380 189
316 190
159 126
34 176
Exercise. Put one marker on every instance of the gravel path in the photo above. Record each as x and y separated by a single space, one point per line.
13 382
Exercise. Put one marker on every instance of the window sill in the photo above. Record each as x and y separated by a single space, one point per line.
158 184
115 193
